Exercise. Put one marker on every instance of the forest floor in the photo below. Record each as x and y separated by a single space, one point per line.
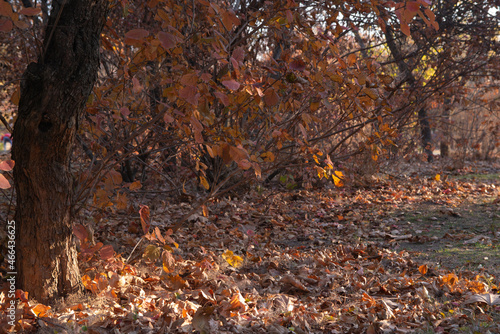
413 249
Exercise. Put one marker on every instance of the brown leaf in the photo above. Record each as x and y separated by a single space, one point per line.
107 252
289 279
231 84
487 298
168 261
80 232
145 219
138 34
271 98
190 94
167 40
31 11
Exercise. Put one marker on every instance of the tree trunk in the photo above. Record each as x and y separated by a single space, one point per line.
426 134
54 92
446 138
425 128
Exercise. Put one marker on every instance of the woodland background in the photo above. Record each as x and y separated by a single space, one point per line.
253 166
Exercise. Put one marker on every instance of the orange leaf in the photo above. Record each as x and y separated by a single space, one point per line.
145 218
204 182
423 269
40 310
135 185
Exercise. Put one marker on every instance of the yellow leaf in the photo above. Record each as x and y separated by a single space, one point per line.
204 182
337 177
437 177
320 171
316 159
233 260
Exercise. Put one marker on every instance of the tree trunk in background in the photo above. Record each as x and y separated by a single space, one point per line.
54 92
425 132
425 128
444 145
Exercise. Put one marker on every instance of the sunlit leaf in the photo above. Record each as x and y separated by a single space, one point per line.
40 310
204 182
145 218
4 183
152 252
233 260
168 261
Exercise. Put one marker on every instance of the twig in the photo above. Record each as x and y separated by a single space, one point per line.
132 252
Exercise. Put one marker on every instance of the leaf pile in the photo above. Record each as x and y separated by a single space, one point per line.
323 261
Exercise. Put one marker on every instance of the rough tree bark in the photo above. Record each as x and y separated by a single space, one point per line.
54 91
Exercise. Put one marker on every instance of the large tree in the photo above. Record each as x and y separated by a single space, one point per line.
54 91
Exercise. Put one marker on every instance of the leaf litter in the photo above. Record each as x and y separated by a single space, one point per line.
277 261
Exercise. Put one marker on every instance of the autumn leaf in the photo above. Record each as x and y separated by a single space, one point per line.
4 183
450 279
190 94
487 298
231 84
40 310
423 269
204 182
233 260
138 34
6 25
168 261
145 219
135 185
271 98
167 40
297 65
7 165
337 177
30 11
107 252
80 232
152 252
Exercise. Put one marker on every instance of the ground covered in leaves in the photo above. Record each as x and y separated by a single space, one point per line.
415 251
